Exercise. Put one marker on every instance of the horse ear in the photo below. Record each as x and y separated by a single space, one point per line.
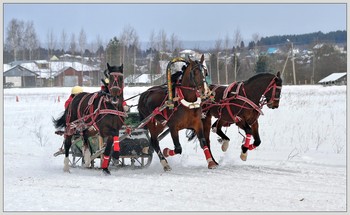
278 74
189 59
202 58
108 66
122 66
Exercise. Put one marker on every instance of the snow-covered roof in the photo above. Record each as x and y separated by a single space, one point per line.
332 77
7 67
53 67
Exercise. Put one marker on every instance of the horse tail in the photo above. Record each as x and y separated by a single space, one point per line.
140 108
191 134
60 122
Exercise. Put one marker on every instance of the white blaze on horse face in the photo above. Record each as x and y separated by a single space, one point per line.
206 87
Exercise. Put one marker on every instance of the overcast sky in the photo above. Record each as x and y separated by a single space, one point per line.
194 22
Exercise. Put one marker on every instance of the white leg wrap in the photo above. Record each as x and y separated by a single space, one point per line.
209 160
66 164
244 156
87 156
225 144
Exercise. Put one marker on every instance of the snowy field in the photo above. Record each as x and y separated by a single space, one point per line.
300 165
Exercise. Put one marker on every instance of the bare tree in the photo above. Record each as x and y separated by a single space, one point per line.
82 42
135 45
152 44
31 41
126 39
51 42
72 44
129 41
163 40
218 43
14 36
63 41
226 48
256 38
237 39
175 44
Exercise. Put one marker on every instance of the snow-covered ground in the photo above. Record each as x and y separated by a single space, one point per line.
299 166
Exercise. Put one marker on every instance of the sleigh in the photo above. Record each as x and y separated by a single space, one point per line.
135 149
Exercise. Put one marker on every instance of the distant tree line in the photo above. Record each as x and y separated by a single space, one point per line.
304 39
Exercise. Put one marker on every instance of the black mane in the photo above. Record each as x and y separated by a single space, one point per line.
257 76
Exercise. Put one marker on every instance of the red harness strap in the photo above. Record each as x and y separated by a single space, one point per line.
89 113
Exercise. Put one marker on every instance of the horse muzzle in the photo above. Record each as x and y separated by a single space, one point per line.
114 100
206 93
115 91
273 104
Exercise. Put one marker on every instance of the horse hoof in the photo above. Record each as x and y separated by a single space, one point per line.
212 165
106 171
66 170
243 156
224 145
167 168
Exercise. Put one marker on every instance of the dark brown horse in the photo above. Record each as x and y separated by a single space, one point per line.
186 113
241 103
101 111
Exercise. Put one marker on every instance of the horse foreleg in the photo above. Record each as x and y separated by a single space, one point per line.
212 164
155 145
177 146
255 132
106 155
86 150
67 145
206 129
246 145
224 139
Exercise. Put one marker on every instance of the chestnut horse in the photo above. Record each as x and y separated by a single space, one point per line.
101 111
241 103
186 113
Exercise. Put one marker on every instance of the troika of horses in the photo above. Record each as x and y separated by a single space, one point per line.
186 101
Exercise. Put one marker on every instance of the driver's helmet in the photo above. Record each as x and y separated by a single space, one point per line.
76 90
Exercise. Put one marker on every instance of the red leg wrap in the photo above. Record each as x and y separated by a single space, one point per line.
251 147
105 162
207 154
168 152
116 147
247 140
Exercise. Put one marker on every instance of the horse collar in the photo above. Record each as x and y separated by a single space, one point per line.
190 105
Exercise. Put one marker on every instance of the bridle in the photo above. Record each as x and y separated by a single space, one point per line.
115 84
273 85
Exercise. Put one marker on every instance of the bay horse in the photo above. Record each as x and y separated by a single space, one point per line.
241 104
186 113
103 112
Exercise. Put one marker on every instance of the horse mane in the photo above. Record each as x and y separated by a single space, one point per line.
257 76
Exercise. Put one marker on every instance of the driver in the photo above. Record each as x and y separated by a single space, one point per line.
75 91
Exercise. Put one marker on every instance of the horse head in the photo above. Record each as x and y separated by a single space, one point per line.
116 81
197 78
273 92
